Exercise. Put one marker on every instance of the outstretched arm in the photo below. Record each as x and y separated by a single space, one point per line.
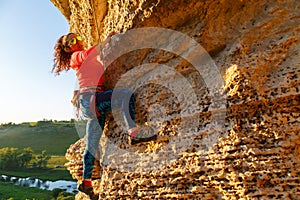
100 47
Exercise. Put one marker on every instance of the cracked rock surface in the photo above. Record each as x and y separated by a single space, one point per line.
255 152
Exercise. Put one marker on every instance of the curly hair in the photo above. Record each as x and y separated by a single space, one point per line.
61 55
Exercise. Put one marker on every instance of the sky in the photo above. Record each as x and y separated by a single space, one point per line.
29 91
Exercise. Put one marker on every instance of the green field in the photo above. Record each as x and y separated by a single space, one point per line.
54 137
44 174
12 192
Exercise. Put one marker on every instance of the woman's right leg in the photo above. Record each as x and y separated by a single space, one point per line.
94 132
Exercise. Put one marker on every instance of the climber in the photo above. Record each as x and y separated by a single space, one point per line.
93 99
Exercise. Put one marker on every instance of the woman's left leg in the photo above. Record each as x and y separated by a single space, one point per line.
124 100
117 99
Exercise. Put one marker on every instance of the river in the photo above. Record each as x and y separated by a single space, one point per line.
68 186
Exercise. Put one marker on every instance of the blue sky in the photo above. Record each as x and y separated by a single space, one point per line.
29 91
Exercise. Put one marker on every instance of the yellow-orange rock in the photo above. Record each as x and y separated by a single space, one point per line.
255 45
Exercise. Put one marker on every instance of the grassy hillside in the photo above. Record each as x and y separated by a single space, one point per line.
9 191
54 137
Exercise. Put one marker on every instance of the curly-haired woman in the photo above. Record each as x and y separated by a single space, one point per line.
94 101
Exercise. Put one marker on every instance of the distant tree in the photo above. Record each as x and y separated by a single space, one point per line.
13 158
8 158
25 157
8 124
42 160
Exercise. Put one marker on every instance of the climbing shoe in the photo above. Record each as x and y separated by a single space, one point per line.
88 191
140 135
137 140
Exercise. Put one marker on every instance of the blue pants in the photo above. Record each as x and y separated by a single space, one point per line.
94 107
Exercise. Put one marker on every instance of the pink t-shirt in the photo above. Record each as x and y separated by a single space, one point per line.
89 70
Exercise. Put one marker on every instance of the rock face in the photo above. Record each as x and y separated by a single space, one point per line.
240 142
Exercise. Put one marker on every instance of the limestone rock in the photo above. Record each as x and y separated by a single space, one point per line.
254 154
